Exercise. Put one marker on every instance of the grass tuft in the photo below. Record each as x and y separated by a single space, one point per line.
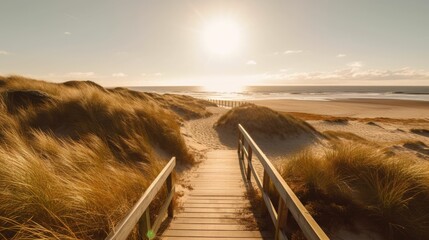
353 181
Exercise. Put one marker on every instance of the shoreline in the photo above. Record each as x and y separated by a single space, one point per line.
353 107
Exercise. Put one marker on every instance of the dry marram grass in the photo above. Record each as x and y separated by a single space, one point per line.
75 157
352 181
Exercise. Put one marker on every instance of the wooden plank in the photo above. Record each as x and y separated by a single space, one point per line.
209 215
218 186
217 181
209 238
219 171
217 227
223 176
210 210
222 192
216 205
216 201
126 225
228 221
185 233
214 197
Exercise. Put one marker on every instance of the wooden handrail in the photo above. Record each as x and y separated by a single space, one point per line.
288 201
140 212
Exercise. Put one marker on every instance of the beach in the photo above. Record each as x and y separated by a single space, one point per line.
387 125
359 108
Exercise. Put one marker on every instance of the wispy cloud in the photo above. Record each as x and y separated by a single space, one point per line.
67 33
80 74
341 55
119 75
2 52
348 75
251 62
292 51
156 74
356 64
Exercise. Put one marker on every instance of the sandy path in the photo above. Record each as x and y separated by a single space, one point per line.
200 134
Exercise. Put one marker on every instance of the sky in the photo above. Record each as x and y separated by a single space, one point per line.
215 42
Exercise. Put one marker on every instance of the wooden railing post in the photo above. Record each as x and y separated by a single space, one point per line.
282 213
242 148
266 182
239 143
265 188
145 231
170 184
249 162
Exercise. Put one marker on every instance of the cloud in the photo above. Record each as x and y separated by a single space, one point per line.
156 74
341 55
251 62
119 75
348 76
2 52
80 74
292 51
356 64
67 33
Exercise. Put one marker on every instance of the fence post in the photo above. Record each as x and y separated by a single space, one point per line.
242 145
266 182
169 190
144 226
239 144
282 213
249 163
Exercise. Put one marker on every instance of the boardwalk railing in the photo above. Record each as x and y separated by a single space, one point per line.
140 212
288 202
226 103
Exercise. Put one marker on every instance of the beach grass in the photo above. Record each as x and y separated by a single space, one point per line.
75 157
352 182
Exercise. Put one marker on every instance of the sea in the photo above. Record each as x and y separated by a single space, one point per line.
316 93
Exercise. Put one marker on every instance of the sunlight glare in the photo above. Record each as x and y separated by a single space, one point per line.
223 86
221 36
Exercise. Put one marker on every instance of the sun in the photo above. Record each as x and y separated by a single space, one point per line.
221 36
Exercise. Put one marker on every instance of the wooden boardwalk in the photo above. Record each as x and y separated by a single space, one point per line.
216 207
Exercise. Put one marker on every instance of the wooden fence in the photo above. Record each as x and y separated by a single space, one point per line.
226 103
140 212
288 202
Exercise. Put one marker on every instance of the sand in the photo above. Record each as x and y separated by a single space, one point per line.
360 108
201 135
